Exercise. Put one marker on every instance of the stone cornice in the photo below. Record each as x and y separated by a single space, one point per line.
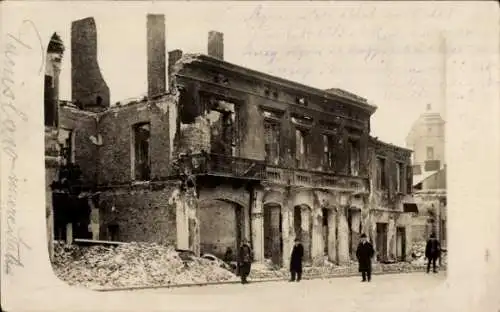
378 144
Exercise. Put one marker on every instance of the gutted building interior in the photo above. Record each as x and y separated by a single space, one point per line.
217 153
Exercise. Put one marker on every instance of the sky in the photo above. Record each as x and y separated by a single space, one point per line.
387 52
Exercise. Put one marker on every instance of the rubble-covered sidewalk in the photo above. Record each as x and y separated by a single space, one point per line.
416 263
152 265
133 265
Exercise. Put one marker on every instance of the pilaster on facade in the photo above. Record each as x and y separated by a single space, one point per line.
257 226
288 234
343 256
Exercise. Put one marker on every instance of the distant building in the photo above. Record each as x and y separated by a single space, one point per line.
427 140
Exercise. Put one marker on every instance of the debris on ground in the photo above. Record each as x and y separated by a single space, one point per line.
418 254
133 264
147 264
231 266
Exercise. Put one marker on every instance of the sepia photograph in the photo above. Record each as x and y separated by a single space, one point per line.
222 172
258 150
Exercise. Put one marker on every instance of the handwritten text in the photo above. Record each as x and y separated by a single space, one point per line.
12 114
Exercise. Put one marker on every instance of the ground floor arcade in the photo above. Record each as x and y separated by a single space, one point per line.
328 223
211 219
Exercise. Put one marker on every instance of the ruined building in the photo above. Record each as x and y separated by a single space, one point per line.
217 152
55 51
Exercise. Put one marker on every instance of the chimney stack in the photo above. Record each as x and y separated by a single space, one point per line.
54 56
156 55
173 57
216 45
88 86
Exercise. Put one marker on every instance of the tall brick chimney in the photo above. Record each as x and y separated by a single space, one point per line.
88 88
216 44
173 57
157 79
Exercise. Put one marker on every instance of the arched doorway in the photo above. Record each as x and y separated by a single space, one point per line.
354 224
326 228
221 226
302 223
273 238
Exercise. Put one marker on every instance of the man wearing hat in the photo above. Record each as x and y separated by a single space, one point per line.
245 261
365 253
296 261
432 252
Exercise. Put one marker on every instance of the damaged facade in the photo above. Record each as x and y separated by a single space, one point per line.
217 153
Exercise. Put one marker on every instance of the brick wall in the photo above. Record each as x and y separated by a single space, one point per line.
87 82
142 214
116 130
195 136
156 54
226 192
83 124
388 197
218 226
252 95
251 122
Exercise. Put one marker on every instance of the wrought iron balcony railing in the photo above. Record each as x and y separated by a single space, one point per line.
237 167
225 165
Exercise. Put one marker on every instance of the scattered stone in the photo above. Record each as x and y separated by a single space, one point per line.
134 264
145 264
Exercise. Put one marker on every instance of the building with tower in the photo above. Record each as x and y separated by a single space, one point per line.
427 140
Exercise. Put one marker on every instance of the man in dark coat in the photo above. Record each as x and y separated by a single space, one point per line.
245 261
432 252
365 253
229 258
296 261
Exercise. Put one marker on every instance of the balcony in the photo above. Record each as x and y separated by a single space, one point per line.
243 168
316 179
225 166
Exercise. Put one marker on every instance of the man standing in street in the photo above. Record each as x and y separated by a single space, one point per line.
365 253
296 261
245 261
432 252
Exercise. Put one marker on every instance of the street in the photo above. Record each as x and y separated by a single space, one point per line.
394 292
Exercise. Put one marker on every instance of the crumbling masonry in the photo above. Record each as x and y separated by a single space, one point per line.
217 152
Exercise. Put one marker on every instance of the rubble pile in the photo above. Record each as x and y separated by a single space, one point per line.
145 264
418 253
133 264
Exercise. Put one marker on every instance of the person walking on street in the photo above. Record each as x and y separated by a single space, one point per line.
296 261
228 258
365 253
245 261
432 252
